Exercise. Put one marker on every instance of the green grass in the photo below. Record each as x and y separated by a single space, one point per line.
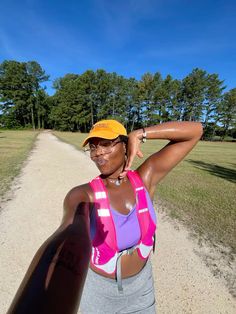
200 191
14 148
73 138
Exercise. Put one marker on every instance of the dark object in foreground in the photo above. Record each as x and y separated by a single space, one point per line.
54 281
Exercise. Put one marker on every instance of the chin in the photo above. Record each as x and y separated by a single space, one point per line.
103 170
105 173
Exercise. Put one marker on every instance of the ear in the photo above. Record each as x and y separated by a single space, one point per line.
125 148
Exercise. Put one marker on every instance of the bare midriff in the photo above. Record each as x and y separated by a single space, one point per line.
130 265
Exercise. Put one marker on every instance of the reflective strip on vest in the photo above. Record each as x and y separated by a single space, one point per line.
100 195
109 267
103 212
143 210
145 250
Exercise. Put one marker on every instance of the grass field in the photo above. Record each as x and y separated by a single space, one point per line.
14 148
200 191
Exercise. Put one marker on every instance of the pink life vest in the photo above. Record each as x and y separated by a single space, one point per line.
104 245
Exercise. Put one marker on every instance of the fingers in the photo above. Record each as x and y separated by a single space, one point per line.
139 154
132 151
130 162
123 174
131 159
127 167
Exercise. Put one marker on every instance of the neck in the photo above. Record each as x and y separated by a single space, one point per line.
116 181
113 178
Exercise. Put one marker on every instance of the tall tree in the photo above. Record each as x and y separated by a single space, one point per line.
193 95
19 85
116 104
102 94
213 97
15 91
147 111
166 98
227 111
88 98
173 91
42 107
133 110
66 104
36 76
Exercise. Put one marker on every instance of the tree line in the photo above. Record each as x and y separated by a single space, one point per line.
82 99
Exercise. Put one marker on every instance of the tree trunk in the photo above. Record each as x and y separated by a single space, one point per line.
132 126
39 122
91 110
32 118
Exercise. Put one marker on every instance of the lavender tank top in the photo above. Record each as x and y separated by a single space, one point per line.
127 226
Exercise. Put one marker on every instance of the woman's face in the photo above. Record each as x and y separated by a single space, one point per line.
108 155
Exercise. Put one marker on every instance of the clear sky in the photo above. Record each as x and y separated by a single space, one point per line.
129 37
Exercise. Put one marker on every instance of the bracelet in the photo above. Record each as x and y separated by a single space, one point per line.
144 136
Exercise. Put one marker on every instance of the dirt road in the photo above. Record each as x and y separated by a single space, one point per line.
183 283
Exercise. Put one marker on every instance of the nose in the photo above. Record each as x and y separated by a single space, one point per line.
98 151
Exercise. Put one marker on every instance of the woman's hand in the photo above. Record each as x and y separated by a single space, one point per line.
133 149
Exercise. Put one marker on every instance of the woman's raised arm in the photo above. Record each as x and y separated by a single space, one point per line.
183 136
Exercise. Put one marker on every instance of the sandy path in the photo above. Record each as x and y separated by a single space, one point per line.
183 283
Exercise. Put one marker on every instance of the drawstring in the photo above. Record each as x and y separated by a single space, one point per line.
118 267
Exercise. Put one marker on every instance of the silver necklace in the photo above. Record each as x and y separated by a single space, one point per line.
116 181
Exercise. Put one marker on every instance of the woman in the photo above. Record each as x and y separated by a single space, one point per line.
109 221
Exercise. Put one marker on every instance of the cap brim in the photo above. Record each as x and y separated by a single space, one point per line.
101 134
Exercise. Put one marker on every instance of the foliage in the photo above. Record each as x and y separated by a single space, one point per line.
227 111
81 100
21 97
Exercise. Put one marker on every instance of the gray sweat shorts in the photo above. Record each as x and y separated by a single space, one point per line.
101 295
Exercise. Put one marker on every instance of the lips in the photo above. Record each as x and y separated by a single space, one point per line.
100 161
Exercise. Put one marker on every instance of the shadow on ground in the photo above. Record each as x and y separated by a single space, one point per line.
219 171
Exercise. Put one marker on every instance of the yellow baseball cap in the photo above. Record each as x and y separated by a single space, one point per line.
108 129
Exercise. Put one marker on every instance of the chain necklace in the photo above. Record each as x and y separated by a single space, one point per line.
116 181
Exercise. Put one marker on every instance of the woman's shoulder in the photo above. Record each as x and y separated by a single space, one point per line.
77 195
77 203
145 174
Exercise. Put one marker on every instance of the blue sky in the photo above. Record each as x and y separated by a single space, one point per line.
129 37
